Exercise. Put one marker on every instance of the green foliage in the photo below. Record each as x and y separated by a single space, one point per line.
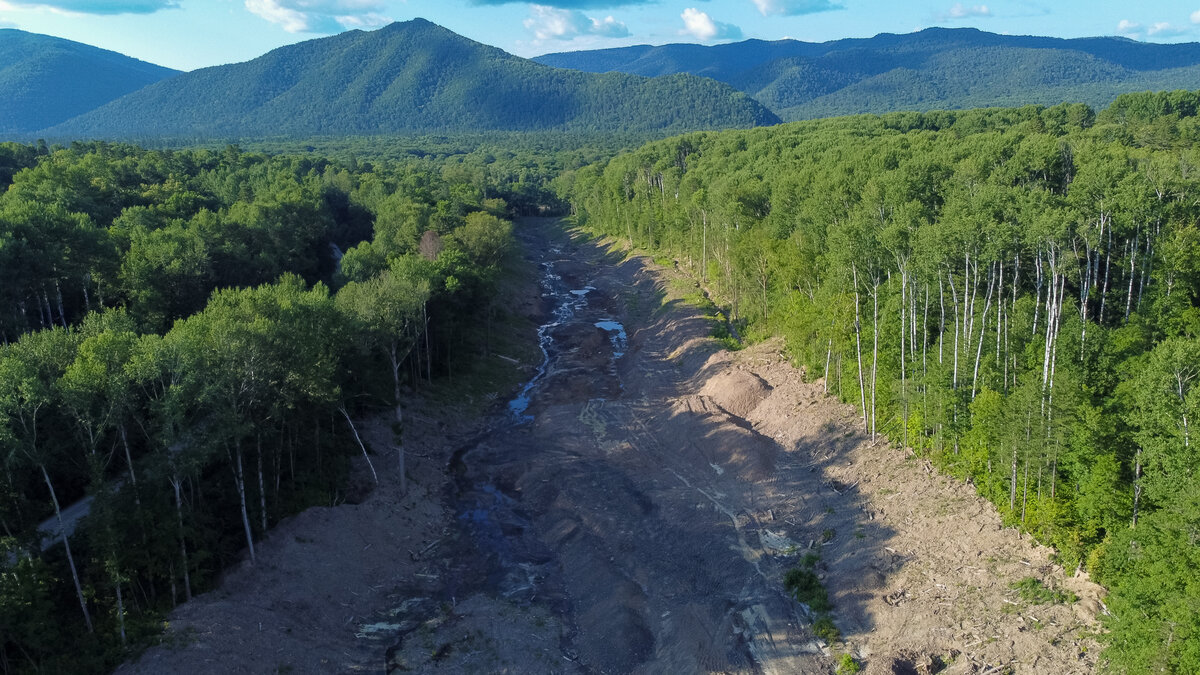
804 586
1034 592
825 629
721 331
847 665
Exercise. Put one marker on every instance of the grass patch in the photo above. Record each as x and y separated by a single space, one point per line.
823 628
1034 592
803 584
721 332
690 292
847 665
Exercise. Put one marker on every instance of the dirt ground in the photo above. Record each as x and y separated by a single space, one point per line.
638 517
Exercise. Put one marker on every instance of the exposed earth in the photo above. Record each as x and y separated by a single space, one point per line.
634 510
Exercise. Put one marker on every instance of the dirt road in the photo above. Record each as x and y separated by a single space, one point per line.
634 509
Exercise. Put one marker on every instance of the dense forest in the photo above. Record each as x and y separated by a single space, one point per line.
1011 292
185 350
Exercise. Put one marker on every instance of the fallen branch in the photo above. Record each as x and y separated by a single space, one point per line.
349 421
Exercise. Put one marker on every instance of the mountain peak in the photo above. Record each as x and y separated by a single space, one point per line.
415 23
412 76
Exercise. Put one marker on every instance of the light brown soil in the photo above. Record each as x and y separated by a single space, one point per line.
641 522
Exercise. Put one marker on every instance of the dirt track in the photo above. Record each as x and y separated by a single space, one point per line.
641 521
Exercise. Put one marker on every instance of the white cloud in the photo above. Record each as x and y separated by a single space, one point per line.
1165 29
794 7
701 26
320 16
93 6
609 27
1195 17
550 23
961 11
1127 27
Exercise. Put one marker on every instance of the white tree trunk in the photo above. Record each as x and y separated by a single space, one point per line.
87 617
874 357
239 480
979 351
364 447
862 388
187 579
262 490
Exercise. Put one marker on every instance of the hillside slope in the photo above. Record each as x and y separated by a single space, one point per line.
411 76
45 80
931 69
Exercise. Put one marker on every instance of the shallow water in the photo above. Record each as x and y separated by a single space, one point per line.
568 302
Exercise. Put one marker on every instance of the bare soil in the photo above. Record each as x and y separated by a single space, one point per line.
640 522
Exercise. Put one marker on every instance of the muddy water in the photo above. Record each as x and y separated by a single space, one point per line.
493 520
492 550
602 516
569 304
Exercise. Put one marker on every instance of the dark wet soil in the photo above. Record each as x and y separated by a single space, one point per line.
583 506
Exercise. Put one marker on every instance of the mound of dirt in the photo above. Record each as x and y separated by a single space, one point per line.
906 662
738 392
707 434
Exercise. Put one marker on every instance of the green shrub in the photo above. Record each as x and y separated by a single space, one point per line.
823 628
847 665
1034 592
803 585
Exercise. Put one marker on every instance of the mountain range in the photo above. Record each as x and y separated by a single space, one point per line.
46 80
417 77
936 68
413 76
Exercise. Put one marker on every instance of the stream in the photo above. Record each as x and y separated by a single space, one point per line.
490 553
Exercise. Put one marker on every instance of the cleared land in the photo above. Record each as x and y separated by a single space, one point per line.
641 521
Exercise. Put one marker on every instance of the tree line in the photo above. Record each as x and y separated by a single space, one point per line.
1012 292
185 350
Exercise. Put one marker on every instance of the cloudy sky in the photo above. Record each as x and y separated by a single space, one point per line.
188 34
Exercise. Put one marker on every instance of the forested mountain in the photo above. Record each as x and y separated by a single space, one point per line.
411 76
937 68
45 80
1011 292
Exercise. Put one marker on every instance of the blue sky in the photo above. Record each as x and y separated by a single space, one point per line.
189 34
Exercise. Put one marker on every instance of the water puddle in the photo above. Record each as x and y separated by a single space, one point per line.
618 338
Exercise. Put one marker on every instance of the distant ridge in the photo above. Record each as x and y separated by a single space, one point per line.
45 80
410 76
930 69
